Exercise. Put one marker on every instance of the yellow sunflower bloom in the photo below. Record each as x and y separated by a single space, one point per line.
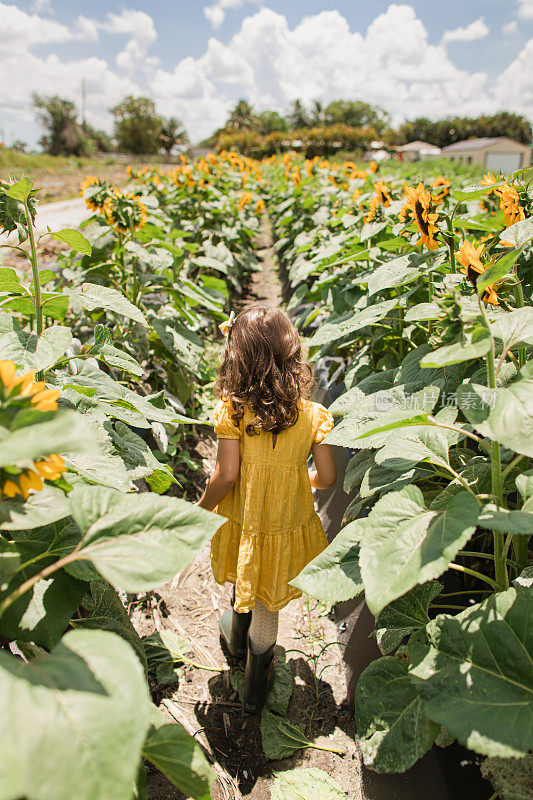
418 206
373 167
510 204
443 184
470 257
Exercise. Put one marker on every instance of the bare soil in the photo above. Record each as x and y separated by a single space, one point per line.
204 700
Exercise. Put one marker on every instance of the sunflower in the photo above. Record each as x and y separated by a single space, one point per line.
371 214
418 206
510 204
443 184
246 198
296 176
383 193
18 393
260 206
124 212
470 257
373 167
99 192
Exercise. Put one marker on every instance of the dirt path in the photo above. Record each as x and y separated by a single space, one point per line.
205 702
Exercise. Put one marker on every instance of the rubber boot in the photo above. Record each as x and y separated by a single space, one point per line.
258 678
234 630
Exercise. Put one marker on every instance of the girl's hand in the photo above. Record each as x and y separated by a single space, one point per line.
325 474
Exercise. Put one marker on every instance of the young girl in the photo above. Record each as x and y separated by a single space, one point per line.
266 429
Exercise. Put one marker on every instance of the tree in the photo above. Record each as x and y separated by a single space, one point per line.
455 129
317 113
58 117
298 116
172 133
270 122
242 117
357 114
137 127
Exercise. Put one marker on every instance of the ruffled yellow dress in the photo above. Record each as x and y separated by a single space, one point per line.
273 530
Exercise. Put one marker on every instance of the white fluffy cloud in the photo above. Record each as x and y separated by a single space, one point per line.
216 13
392 63
525 9
476 30
510 28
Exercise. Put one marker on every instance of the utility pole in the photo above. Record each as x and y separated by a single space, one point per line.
83 102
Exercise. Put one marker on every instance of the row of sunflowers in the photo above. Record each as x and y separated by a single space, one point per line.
105 360
416 297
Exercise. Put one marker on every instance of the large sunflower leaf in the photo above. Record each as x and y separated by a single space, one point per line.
406 614
505 414
334 574
179 756
73 722
475 673
511 777
138 541
92 296
406 543
393 728
306 784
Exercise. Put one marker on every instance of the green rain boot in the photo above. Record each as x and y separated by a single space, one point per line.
234 630
258 678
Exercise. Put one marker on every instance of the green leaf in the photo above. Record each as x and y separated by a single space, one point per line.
406 614
41 508
504 521
210 263
165 650
179 341
91 296
504 415
179 756
65 432
140 541
20 190
103 610
30 351
332 331
9 562
428 443
514 327
458 352
280 737
334 575
511 778
468 193
280 693
118 358
406 543
405 269
498 270
78 715
136 454
106 466
474 674
520 233
74 239
393 728
306 784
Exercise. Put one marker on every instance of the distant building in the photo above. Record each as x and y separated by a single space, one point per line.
496 154
416 151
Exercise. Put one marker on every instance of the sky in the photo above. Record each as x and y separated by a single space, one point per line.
195 59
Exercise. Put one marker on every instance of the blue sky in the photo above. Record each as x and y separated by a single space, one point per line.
195 59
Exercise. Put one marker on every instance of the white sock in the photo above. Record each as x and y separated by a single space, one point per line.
263 628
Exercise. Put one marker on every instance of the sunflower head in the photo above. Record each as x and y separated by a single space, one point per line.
373 167
95 192
124 212
20 393
442 185
469 256
419 207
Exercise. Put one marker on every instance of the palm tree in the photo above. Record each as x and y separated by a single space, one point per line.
172 134
317 113
242 117
297 116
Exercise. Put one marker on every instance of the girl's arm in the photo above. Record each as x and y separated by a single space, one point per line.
224 474
325 473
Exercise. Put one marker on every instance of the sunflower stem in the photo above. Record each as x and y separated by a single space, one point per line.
519 297
449 225
500 564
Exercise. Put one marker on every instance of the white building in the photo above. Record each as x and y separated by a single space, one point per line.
496 154
416 151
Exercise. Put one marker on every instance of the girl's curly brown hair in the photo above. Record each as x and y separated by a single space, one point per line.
263 368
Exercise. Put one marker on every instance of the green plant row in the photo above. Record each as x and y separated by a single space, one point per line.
417 299
102 366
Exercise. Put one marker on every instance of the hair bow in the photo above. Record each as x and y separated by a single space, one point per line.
225 327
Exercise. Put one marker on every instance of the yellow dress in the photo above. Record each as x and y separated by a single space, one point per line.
273 530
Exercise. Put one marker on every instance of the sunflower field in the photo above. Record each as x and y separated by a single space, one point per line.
413 290
417 298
